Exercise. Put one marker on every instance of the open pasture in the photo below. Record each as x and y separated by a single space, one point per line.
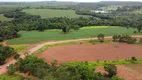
49 13
28 37
3 18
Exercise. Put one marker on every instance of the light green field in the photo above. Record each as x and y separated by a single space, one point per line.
19 48
137 12
53 35
49 13
2 18
8 77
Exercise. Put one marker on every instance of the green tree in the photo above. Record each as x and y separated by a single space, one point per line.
11 69
111 69
101 37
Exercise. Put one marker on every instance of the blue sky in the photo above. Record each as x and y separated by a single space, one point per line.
64 0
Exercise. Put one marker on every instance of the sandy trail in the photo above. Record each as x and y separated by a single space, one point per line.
31 50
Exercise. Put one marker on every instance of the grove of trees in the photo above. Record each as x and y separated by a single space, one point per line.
5 52
41 70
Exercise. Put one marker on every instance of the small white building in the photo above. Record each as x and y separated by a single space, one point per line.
99 11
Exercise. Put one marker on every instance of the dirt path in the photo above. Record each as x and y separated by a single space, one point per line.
31 50
4 43
123 72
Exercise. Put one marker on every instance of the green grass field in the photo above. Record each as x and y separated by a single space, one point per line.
53 35
49 13
137 12
2 18
12 77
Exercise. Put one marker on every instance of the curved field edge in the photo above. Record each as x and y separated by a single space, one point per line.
50 13
3 18
28 37
103 63
69 43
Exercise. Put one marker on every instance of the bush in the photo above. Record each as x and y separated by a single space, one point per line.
116 78
16 56
133 58
135 32
11 69
101 37
124 38
111 69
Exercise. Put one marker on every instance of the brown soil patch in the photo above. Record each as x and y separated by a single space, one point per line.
123 72
4 43
89 52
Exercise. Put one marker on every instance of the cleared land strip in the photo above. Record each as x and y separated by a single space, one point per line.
4 70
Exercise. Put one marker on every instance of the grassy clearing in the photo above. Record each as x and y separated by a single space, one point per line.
28 37
137 12
19 48
49 13
2 18
90 27
136 67
102 63
12 77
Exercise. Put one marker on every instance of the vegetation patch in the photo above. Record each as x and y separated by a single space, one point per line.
103 63
49 35
50 13
11 77
88 27
19 48
2 18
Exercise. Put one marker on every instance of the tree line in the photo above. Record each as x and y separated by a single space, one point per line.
41 70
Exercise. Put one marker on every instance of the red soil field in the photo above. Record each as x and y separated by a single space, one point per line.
89 52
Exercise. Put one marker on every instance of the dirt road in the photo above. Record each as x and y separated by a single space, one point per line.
31 50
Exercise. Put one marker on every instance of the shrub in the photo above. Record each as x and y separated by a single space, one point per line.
115 37
101 37
11 69
116 78
135 32
16 56
133 58
124 38
111 69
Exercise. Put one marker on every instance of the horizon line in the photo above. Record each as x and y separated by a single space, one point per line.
71 1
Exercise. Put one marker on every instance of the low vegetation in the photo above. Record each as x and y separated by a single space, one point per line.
50 13
11 77
124 38
3 18
19 48
38 68
49 35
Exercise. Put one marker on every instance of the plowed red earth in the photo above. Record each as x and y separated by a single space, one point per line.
89 52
